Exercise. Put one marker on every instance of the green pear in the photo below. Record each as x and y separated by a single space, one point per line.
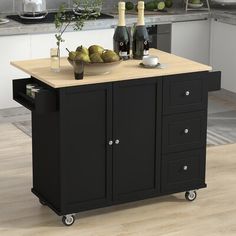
82 49
96 57
110 56
72 55
95 49
82 57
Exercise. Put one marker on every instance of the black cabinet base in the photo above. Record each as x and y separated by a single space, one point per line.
105 144
73 209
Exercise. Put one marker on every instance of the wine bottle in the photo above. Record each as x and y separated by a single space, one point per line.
140 44
121 38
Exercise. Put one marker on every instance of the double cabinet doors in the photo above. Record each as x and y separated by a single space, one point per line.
112 143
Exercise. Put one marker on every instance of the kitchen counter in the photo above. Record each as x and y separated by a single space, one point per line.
127 70
174 15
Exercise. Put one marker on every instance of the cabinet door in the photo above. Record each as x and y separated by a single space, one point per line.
191 40
85 153
136 134
12 48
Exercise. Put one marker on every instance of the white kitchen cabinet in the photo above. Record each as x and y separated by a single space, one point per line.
41 43
223 53
12 48
191 40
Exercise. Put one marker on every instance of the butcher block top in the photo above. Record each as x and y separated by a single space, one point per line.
127 70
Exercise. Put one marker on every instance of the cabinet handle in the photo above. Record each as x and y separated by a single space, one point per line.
186 131
117 141
110 142
187 93
185 168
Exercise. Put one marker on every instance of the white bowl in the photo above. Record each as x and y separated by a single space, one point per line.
150 60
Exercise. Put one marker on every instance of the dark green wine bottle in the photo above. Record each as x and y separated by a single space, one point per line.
140 46
121 38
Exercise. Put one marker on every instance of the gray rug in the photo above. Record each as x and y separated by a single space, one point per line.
221 128
24 126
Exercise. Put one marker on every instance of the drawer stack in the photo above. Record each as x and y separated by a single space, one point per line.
184 132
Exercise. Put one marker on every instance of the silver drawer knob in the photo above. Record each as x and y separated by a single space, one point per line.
186 131
187 93
117 141
110 142
185 168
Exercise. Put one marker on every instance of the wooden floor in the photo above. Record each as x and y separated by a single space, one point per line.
213 212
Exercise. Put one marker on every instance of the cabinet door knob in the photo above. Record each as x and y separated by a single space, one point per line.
185 168
186 131
187 93
110 142
117 141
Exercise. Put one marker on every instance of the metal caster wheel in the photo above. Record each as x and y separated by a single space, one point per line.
191 195
42 202
68 220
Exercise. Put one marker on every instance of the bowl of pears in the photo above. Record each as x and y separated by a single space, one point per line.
94 60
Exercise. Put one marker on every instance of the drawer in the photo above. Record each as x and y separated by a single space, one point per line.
44 101
183 171
183 132
185 92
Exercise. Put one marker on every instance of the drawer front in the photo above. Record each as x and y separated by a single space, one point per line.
183 93
183 171
184 132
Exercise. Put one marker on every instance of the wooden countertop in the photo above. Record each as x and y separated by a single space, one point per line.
127 70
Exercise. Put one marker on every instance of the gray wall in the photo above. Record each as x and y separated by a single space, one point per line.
7 6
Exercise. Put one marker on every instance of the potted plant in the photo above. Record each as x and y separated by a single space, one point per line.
82 11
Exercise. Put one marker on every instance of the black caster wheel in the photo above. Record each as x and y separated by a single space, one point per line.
191 195
42 202
68 220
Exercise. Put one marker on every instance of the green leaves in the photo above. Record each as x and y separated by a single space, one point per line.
64 18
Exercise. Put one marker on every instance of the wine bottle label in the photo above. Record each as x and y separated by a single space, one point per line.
145 52
146 48
123 54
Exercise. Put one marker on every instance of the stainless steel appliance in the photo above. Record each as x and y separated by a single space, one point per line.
33 9
160 37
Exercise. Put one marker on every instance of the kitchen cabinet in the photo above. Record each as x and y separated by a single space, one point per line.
115 140
86 153
191 39
12 48
137 137
223 52
111 145
41 43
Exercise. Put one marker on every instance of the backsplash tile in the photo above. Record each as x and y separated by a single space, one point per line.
6 6
54 4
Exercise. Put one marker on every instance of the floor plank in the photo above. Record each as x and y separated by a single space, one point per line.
213 212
